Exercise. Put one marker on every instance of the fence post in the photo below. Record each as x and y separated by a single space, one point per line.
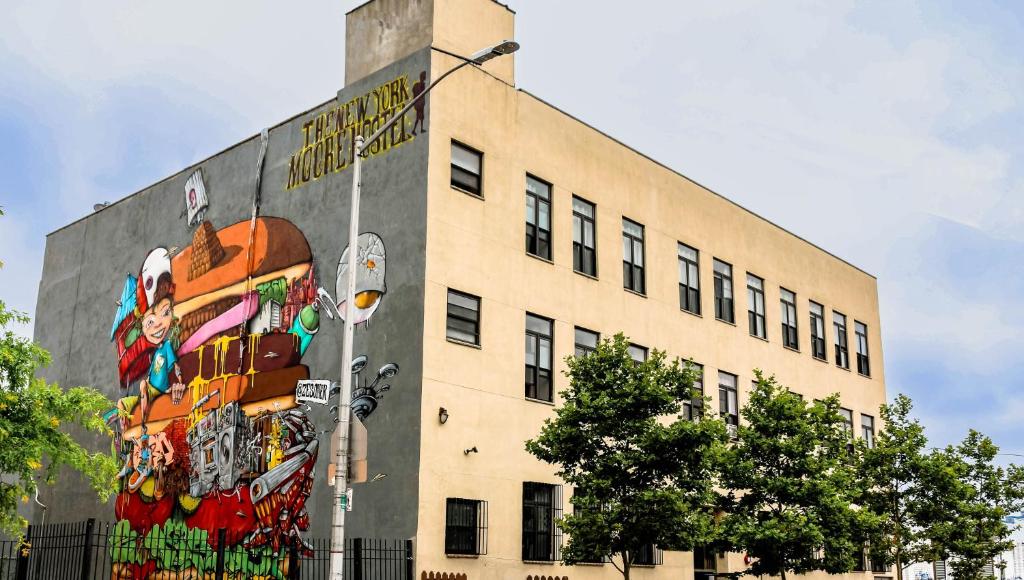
23 553
293 562
90 525
357 559
410 570
222 540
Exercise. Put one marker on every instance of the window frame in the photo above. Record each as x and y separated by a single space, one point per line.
731 417
643 350
537 338
756 320
841 340
633 274
818 341
553 533
790 331
449 316
863 358
476 531
578 346
578 256
694 408
537 202
689 290
867 431
479 176
721 301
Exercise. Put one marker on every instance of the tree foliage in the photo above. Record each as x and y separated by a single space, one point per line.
33 417
793 483
642 473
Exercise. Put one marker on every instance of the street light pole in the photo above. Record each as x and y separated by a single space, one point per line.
341 434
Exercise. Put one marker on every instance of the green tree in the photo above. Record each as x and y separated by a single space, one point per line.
794 483
642 473
33 415
973 496
897 490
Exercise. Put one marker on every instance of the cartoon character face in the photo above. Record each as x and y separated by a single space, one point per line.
157 321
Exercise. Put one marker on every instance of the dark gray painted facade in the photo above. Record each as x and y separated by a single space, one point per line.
86 262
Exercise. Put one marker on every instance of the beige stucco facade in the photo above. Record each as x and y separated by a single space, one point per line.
476 245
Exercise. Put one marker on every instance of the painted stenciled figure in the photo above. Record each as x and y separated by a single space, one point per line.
420 104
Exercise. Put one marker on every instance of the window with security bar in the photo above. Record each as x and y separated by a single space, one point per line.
649 555
542 507
579 508
465 528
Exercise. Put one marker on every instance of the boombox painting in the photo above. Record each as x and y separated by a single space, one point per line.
209 342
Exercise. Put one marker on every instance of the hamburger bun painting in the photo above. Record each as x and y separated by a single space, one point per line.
209 342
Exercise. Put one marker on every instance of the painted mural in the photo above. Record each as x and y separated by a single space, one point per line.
328 138
209 343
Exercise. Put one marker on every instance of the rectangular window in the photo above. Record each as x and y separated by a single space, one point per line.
465 529
847 416
723 291
863 362
467 164
694 408
463 317
755 306
867 429
542 506
842 350
705 564
593 557
689 279
637 352
727 405
817 330
538 358
789 334
586 341
538 217
584 237
648 555
633 256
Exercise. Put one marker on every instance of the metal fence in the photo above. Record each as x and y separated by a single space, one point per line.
92 550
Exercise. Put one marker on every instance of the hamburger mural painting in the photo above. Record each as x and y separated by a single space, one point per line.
209 342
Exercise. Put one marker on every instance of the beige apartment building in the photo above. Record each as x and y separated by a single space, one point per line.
513 234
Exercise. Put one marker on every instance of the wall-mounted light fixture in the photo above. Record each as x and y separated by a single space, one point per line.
442 415
471 450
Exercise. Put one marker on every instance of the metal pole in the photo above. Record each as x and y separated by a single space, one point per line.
341 456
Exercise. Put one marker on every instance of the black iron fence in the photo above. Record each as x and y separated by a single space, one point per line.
92 550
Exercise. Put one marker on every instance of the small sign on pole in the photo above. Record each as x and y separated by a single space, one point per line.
313 391
348 499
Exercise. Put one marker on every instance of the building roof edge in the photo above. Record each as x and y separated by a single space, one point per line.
695 182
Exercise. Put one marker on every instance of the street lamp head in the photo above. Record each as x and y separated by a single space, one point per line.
500 49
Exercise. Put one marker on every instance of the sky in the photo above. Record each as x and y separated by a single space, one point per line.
888 132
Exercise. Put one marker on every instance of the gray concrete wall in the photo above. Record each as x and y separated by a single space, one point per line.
85 265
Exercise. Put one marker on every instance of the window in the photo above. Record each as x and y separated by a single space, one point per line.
584 239
817 331
632 256
538 358
863 362
755 306
542 505
466 169
693 408
538 217
689 279
705 564
723 291
787 301
867 429
648 555
586 341
463 317
727 407
847 416
594 557
465 527
842 350
637 352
